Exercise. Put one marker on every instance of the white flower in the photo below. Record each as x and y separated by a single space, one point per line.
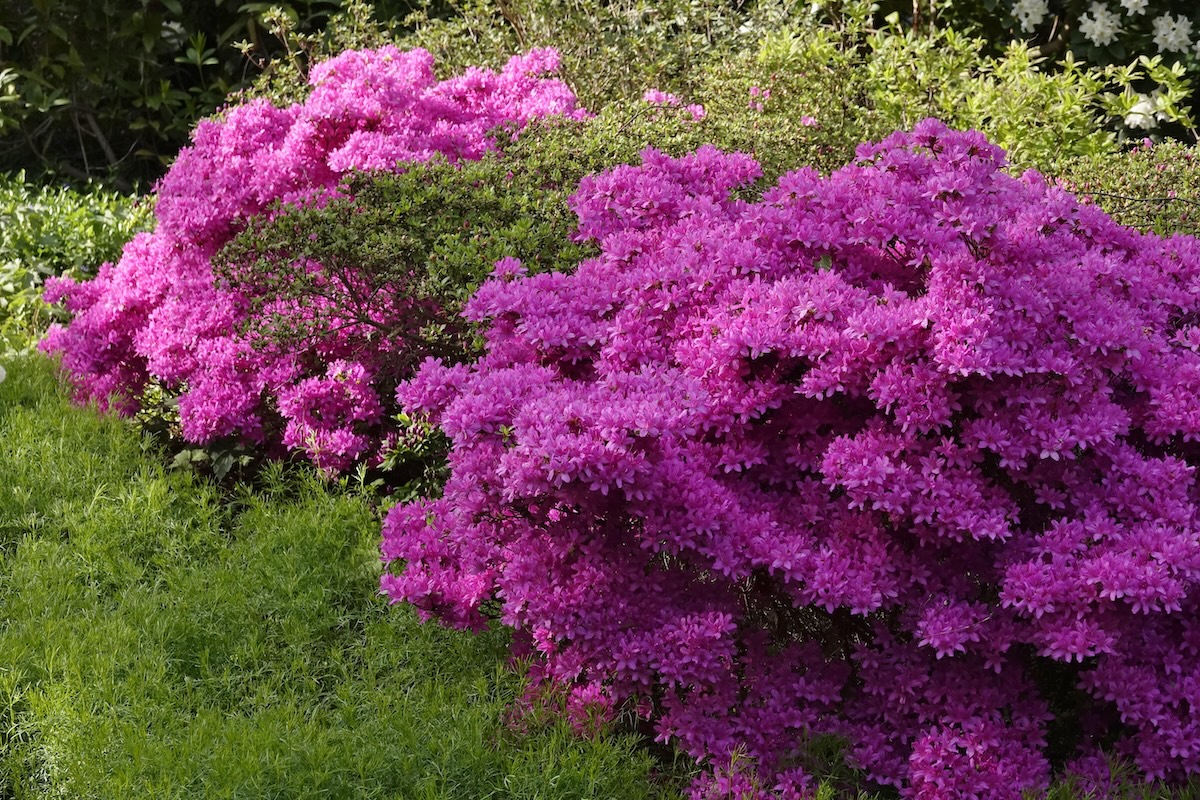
1135 7
3 374
1102 26
1145 114
1030 13
1173 33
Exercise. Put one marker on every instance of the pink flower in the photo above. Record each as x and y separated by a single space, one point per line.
159 315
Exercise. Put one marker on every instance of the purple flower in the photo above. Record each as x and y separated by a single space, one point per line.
859 458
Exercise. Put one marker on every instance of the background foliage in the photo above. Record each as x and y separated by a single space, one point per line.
55 230
111 89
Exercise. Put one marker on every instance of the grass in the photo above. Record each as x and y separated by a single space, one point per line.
158 639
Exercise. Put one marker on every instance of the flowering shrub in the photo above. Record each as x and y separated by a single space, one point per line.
158 314
1156 38
905 455
1122 25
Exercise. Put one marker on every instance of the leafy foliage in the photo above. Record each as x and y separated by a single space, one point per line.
111 90
52 231
1117 34
857 82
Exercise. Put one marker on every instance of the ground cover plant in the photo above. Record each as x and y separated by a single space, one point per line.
161 639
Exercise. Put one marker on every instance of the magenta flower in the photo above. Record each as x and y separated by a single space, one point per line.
157 314
869 456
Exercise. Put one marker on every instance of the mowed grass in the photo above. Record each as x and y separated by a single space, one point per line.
160 640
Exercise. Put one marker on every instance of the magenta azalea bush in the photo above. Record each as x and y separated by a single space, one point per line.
903 456
159 315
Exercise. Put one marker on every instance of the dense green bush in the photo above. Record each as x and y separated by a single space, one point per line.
162 640
858 83
1150 187
610 49
1115 34
55 230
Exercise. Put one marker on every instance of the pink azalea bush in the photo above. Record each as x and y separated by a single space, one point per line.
158 313
882 455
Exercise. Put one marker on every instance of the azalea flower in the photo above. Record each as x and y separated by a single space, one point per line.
1030 13
1173 33
1100 25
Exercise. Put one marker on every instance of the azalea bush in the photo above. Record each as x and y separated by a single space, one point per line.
903 456
157 319
252 282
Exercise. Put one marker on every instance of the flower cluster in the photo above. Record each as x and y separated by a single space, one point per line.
657 97
883 455
1102 24
322 412
158 313
1173 33
1030 13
